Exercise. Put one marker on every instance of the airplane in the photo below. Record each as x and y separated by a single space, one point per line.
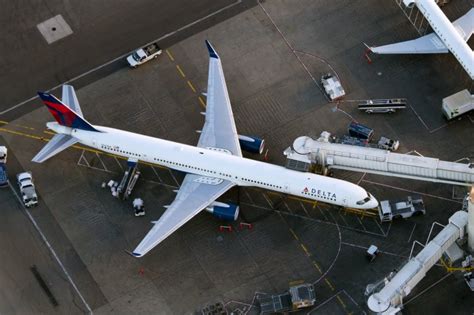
447 36
212 167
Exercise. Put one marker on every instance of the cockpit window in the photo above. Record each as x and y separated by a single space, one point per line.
361 202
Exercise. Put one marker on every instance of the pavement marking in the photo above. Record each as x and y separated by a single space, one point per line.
180 71
124 55
201 101
329 284
365 248
315 264
411 234
428 288
341 301
294 234
53 252
169 54
305 249
18 133
191 86
412 191
21 126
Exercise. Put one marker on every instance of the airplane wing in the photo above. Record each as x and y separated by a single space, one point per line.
465 25
193 196
219 129
70 99
428 44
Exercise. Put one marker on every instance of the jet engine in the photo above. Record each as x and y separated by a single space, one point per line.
224 211
409 3
251 144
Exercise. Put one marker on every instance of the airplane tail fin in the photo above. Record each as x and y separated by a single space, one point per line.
64 114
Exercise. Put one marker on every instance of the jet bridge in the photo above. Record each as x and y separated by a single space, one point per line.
307 152
389 300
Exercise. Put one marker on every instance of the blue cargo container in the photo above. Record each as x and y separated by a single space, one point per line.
360 131
3 175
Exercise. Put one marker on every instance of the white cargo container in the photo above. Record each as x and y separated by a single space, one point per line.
332 87
458 104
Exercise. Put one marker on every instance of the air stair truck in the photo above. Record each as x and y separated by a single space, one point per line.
3 168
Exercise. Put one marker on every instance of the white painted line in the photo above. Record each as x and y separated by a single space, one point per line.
412 191
411 234
293 50
418 116
365 248
53 252
156 173
124 55
102 162
428 288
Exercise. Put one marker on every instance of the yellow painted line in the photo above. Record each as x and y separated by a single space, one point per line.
169 54
48 132
180 71
296 282
201 101
329 283
341 301
21 126
294 234
305 249
26 127
191 86
18 133
317 266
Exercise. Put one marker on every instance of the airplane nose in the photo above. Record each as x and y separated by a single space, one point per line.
373 203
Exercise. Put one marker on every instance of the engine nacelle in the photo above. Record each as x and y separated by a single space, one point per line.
409 3
251 144
224 211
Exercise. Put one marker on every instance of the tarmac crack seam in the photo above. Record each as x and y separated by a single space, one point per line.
50 248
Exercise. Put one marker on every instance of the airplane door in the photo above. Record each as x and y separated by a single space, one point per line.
286 188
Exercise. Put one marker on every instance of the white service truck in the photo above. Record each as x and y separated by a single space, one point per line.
142 55
401 209
27 189
457 104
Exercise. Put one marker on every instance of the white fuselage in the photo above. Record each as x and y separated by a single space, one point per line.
216 163
448 34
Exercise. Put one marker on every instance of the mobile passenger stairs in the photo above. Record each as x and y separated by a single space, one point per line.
129 179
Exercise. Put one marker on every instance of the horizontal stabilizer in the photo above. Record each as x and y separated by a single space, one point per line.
428 44
57 144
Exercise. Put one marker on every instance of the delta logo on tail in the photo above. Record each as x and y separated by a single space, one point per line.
63 114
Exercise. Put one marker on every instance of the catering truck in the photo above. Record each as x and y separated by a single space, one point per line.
142 55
